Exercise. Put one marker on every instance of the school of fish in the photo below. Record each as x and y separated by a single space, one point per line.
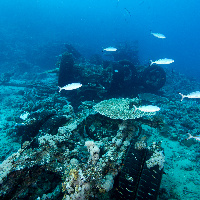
147 108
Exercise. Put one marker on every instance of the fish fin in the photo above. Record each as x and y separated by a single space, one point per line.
183 96
135 108
59 88
189 136
151 62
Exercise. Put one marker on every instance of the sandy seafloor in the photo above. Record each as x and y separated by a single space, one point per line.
181 177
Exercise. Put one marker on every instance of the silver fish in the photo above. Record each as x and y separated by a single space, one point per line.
71 86
148 108
192 95
110 49
158 35
197 137
162 61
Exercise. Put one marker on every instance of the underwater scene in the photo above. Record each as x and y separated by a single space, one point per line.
100 100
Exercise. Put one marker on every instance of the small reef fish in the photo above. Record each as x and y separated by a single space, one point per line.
192 95
110 49
71 86
197 137
158 35
163 61
148 108
24 116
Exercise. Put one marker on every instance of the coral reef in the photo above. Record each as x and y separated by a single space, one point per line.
86 166
121 109
70 152
5 77
158 157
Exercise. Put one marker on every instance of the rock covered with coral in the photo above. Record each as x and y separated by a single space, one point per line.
84 156
157 157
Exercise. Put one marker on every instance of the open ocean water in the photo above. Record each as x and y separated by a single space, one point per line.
99 99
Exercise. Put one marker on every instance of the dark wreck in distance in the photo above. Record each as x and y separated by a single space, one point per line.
122 76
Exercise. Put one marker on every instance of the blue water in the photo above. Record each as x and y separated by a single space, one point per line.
33 34
91 25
